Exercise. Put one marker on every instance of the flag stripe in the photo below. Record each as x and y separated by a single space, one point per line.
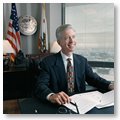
13 45
9 37
12 56
13 34
10 23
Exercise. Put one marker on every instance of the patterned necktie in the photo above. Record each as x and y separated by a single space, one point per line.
70 77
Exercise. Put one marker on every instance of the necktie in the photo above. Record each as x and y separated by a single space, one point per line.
70 77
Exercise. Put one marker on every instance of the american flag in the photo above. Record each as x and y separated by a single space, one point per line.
13 34
43 35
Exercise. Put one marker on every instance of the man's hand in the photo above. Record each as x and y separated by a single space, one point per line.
60 98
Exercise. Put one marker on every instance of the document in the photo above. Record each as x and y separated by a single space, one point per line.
87 101
106 100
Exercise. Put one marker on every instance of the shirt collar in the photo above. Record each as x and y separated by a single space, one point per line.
65 57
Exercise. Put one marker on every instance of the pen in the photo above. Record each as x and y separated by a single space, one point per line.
75 106
72 103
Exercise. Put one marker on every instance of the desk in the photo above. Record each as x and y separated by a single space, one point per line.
11 107
18 80
33 106
17 83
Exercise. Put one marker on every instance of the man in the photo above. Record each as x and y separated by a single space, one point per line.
61 77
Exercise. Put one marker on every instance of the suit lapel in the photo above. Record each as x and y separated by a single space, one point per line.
60 73
77 69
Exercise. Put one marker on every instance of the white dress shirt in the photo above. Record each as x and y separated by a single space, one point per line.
65 57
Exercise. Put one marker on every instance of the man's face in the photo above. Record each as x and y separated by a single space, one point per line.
68 41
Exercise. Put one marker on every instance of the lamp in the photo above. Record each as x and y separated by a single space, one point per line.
55 47
7 48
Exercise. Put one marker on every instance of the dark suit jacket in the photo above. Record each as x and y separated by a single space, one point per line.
52 76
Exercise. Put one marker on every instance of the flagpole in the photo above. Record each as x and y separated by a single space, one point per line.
44 35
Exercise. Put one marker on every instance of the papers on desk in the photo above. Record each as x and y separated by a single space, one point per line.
106 100
87 101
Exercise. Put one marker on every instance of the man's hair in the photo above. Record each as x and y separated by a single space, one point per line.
61 28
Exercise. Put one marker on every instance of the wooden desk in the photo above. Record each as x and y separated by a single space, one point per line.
35 106
31 105
11 107
17 83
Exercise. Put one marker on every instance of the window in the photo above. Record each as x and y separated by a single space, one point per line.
94 25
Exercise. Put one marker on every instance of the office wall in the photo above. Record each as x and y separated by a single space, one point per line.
53 14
